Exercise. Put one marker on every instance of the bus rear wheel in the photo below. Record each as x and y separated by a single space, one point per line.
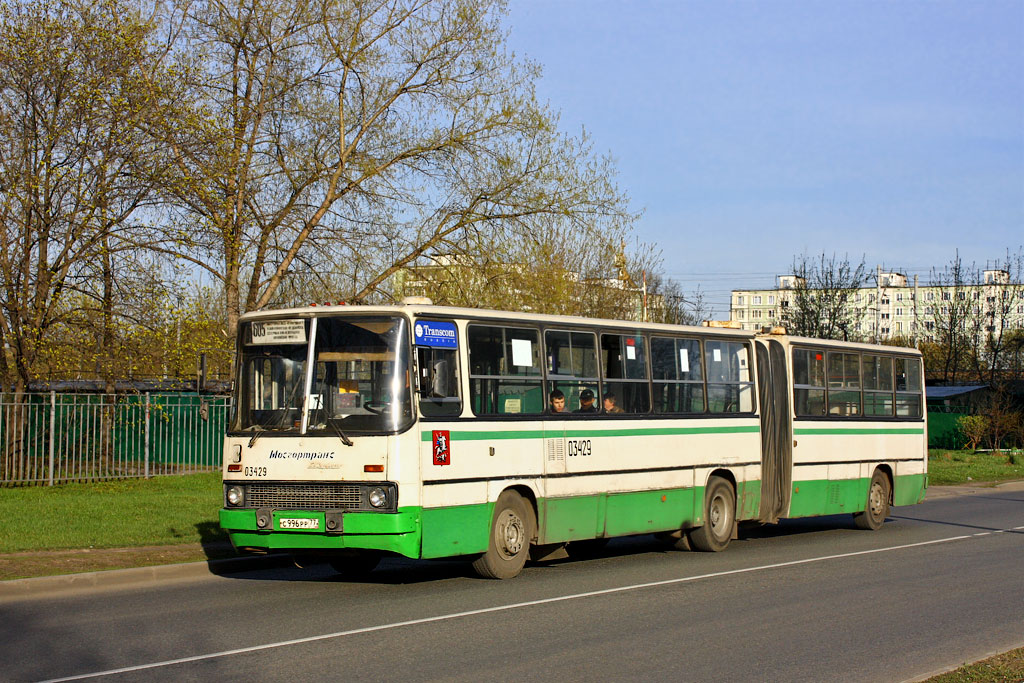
509 543
877 507
719 517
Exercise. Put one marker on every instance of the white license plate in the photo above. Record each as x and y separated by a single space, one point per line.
298 523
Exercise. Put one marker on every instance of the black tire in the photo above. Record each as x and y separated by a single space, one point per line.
355 565
719 517
586 549
508 544
876 509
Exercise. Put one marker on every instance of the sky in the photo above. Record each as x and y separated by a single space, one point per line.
749 133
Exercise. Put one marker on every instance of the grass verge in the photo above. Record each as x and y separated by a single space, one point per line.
160 511
1006 667
963 467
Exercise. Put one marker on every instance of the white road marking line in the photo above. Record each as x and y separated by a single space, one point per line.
983 533
498 608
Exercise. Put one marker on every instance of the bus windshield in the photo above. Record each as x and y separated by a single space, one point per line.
359 383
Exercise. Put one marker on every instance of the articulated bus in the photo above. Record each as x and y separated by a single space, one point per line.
435 432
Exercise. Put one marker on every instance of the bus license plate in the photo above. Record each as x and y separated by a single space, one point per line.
299 523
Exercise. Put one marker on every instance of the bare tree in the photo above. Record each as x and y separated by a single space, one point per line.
1001 298
360 136
824 303
74 173
957 324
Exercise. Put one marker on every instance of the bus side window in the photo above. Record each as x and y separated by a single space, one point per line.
730 388
624 368
877 372
505 372
572 369
843 384
678 378
808 382
439 381
908 387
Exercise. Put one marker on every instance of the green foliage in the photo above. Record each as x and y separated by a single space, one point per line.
135 512
975 429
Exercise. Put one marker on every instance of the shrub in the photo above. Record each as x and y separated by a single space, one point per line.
975 429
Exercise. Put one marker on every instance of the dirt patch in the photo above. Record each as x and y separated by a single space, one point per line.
54 562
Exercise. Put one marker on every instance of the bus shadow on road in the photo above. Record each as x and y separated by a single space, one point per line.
391 571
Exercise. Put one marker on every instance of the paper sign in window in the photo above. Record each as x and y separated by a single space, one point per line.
684 360
717 355
631 353
522 353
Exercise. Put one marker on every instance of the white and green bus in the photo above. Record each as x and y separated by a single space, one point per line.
435 432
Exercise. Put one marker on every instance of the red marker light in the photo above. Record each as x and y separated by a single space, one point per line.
235 468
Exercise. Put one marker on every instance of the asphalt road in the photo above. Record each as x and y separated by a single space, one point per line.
940 584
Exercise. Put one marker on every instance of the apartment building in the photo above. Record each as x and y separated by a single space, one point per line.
896 306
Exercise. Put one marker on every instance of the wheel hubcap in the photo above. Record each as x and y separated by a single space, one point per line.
876 499
511 533
718 515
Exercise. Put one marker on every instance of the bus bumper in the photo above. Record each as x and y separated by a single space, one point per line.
397 532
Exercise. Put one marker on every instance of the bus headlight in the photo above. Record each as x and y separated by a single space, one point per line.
235 496
378 497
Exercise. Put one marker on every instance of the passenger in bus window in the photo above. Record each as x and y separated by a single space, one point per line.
557 401
610 403
586 402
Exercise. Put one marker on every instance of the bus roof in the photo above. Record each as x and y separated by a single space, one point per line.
847 345
485 314
477 314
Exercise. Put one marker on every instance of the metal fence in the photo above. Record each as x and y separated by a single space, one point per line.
51 438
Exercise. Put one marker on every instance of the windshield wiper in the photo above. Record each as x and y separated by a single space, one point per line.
258 434
337 430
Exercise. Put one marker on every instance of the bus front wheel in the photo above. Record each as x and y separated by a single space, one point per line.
509 541
877 507
719 517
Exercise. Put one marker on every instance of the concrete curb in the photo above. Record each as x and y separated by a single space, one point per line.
65 584
936 492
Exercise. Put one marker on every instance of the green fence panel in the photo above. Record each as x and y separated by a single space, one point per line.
943 431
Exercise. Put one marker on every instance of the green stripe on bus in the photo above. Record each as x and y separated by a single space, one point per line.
478 436
854 430
427 436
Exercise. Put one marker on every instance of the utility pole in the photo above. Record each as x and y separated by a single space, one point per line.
878 303
917 293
